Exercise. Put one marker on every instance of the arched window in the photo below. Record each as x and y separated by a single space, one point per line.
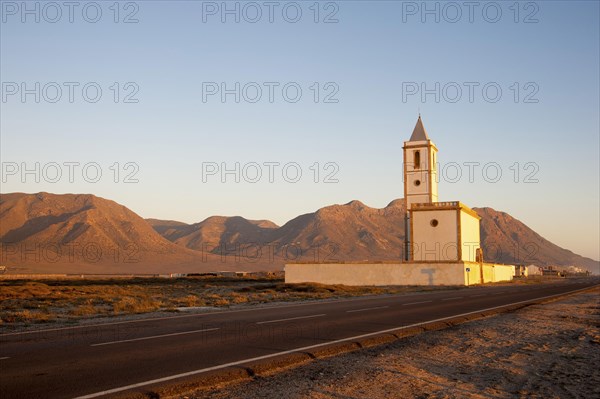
417 160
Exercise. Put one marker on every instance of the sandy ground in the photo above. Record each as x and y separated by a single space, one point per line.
543 351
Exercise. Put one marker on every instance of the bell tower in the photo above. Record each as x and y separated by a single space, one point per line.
420 176
420 168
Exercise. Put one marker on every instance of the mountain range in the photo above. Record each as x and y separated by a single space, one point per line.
82 233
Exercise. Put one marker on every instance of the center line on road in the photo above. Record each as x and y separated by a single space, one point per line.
291 318
449 299
154 336
415 303
364 310
4 358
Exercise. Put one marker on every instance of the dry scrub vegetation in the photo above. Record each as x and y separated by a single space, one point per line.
25 302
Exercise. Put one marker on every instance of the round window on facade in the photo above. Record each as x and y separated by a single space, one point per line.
434 222
417 183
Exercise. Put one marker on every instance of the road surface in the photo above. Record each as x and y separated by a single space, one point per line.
89 361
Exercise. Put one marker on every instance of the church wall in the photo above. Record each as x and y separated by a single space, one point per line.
420 172
435 243
433 176
422 147
422 179
469 225
434 187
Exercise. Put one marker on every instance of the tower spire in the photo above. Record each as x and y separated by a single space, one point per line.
419 133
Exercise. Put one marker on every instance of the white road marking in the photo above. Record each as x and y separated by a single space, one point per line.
236 363
415 303
154 336
364 310
475 296
291 318
450 299
4 358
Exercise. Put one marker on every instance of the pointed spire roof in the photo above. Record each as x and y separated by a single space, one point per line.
419 133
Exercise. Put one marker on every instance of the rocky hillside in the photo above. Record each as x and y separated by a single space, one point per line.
49 233
81 233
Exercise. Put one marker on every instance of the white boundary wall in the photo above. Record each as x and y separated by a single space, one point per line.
413 273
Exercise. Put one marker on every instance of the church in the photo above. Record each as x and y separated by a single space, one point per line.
442 239
435 231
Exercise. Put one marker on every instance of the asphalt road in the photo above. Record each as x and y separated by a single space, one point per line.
85 361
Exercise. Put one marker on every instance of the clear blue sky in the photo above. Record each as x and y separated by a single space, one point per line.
372 56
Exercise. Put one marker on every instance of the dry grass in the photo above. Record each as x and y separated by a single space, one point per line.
131 304
51 301
26 316
33 302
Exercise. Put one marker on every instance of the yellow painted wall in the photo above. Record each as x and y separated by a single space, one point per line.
492 273
434 174
495 272
473 276
469 236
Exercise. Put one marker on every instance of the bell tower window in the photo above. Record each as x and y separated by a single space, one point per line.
417 160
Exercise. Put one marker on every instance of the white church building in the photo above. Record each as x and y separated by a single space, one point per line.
435 231
442 241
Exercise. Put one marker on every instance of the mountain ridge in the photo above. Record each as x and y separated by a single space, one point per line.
344 232
504 238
